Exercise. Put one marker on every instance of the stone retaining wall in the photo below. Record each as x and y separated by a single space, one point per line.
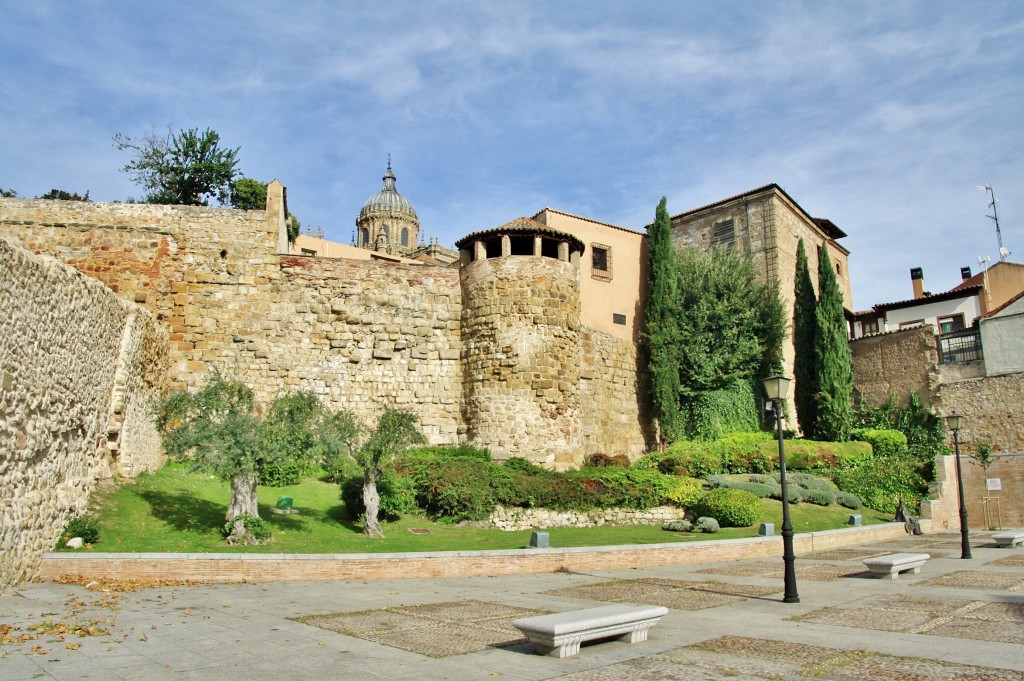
514 519
78 369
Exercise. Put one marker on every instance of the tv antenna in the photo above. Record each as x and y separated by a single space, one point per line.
1004 252
983 261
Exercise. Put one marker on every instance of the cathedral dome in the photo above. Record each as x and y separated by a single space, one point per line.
388 200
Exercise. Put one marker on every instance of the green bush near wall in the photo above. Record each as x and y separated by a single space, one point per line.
884 442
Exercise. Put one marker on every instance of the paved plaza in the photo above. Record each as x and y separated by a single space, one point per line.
958 620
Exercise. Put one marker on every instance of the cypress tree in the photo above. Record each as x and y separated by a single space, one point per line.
660 325
833 358
805 322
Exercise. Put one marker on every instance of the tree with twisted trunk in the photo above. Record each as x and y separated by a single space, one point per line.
396 432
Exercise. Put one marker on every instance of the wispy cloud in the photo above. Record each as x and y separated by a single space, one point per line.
881 116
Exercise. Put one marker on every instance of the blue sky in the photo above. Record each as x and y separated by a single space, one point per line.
882 116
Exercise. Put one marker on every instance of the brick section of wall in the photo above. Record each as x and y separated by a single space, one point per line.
196 269
612 397
270 567
521 327
897 363
65 415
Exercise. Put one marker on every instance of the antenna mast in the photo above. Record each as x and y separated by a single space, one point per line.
1003 251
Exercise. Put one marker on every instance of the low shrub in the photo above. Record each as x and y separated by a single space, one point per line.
85 526
452 490
884 442
808 481
715 481
605 461
624 488
820 497
707 524
880 483
256 529
730 507
684 492
518 463
681 525
284 472
848 500
758 489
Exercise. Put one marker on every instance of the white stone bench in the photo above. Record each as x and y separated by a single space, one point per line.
560 634
1008 540
893 564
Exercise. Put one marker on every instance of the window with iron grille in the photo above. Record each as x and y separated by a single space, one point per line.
601 261
960 346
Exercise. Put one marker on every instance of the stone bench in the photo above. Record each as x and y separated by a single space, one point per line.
893 564
1008 540
560 634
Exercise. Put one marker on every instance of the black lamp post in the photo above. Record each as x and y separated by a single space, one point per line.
954 421
777 387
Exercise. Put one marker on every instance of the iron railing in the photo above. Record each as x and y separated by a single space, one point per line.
960 346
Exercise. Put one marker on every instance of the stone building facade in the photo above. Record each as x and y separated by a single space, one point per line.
768 224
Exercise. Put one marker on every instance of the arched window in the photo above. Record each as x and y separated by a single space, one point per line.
364 237
405 236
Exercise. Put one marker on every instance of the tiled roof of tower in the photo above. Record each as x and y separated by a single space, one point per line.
522 225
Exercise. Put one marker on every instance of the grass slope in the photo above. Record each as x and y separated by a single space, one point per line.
178 510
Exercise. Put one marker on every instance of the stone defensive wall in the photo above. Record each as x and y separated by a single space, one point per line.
79 368
363 334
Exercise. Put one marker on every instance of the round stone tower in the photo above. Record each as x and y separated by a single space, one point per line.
387 221
521 351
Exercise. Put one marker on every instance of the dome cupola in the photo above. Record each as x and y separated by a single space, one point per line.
387 221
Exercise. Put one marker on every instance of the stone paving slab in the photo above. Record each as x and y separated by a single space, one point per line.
977 579
755 659
434 629
1016 560
978 620
824 572
670 593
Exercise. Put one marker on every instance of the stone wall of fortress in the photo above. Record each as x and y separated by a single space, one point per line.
79 368
362 334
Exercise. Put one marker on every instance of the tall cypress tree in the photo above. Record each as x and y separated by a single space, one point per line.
833 358
805 323
661 334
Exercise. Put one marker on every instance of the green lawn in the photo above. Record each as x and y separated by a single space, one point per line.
177 510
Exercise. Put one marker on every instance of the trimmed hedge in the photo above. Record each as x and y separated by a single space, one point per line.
736 453
730 507
809 454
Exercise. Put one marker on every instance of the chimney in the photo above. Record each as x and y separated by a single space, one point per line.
965 273
917 279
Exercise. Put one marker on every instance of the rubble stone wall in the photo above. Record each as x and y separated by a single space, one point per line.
75 392
897 363
611 397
